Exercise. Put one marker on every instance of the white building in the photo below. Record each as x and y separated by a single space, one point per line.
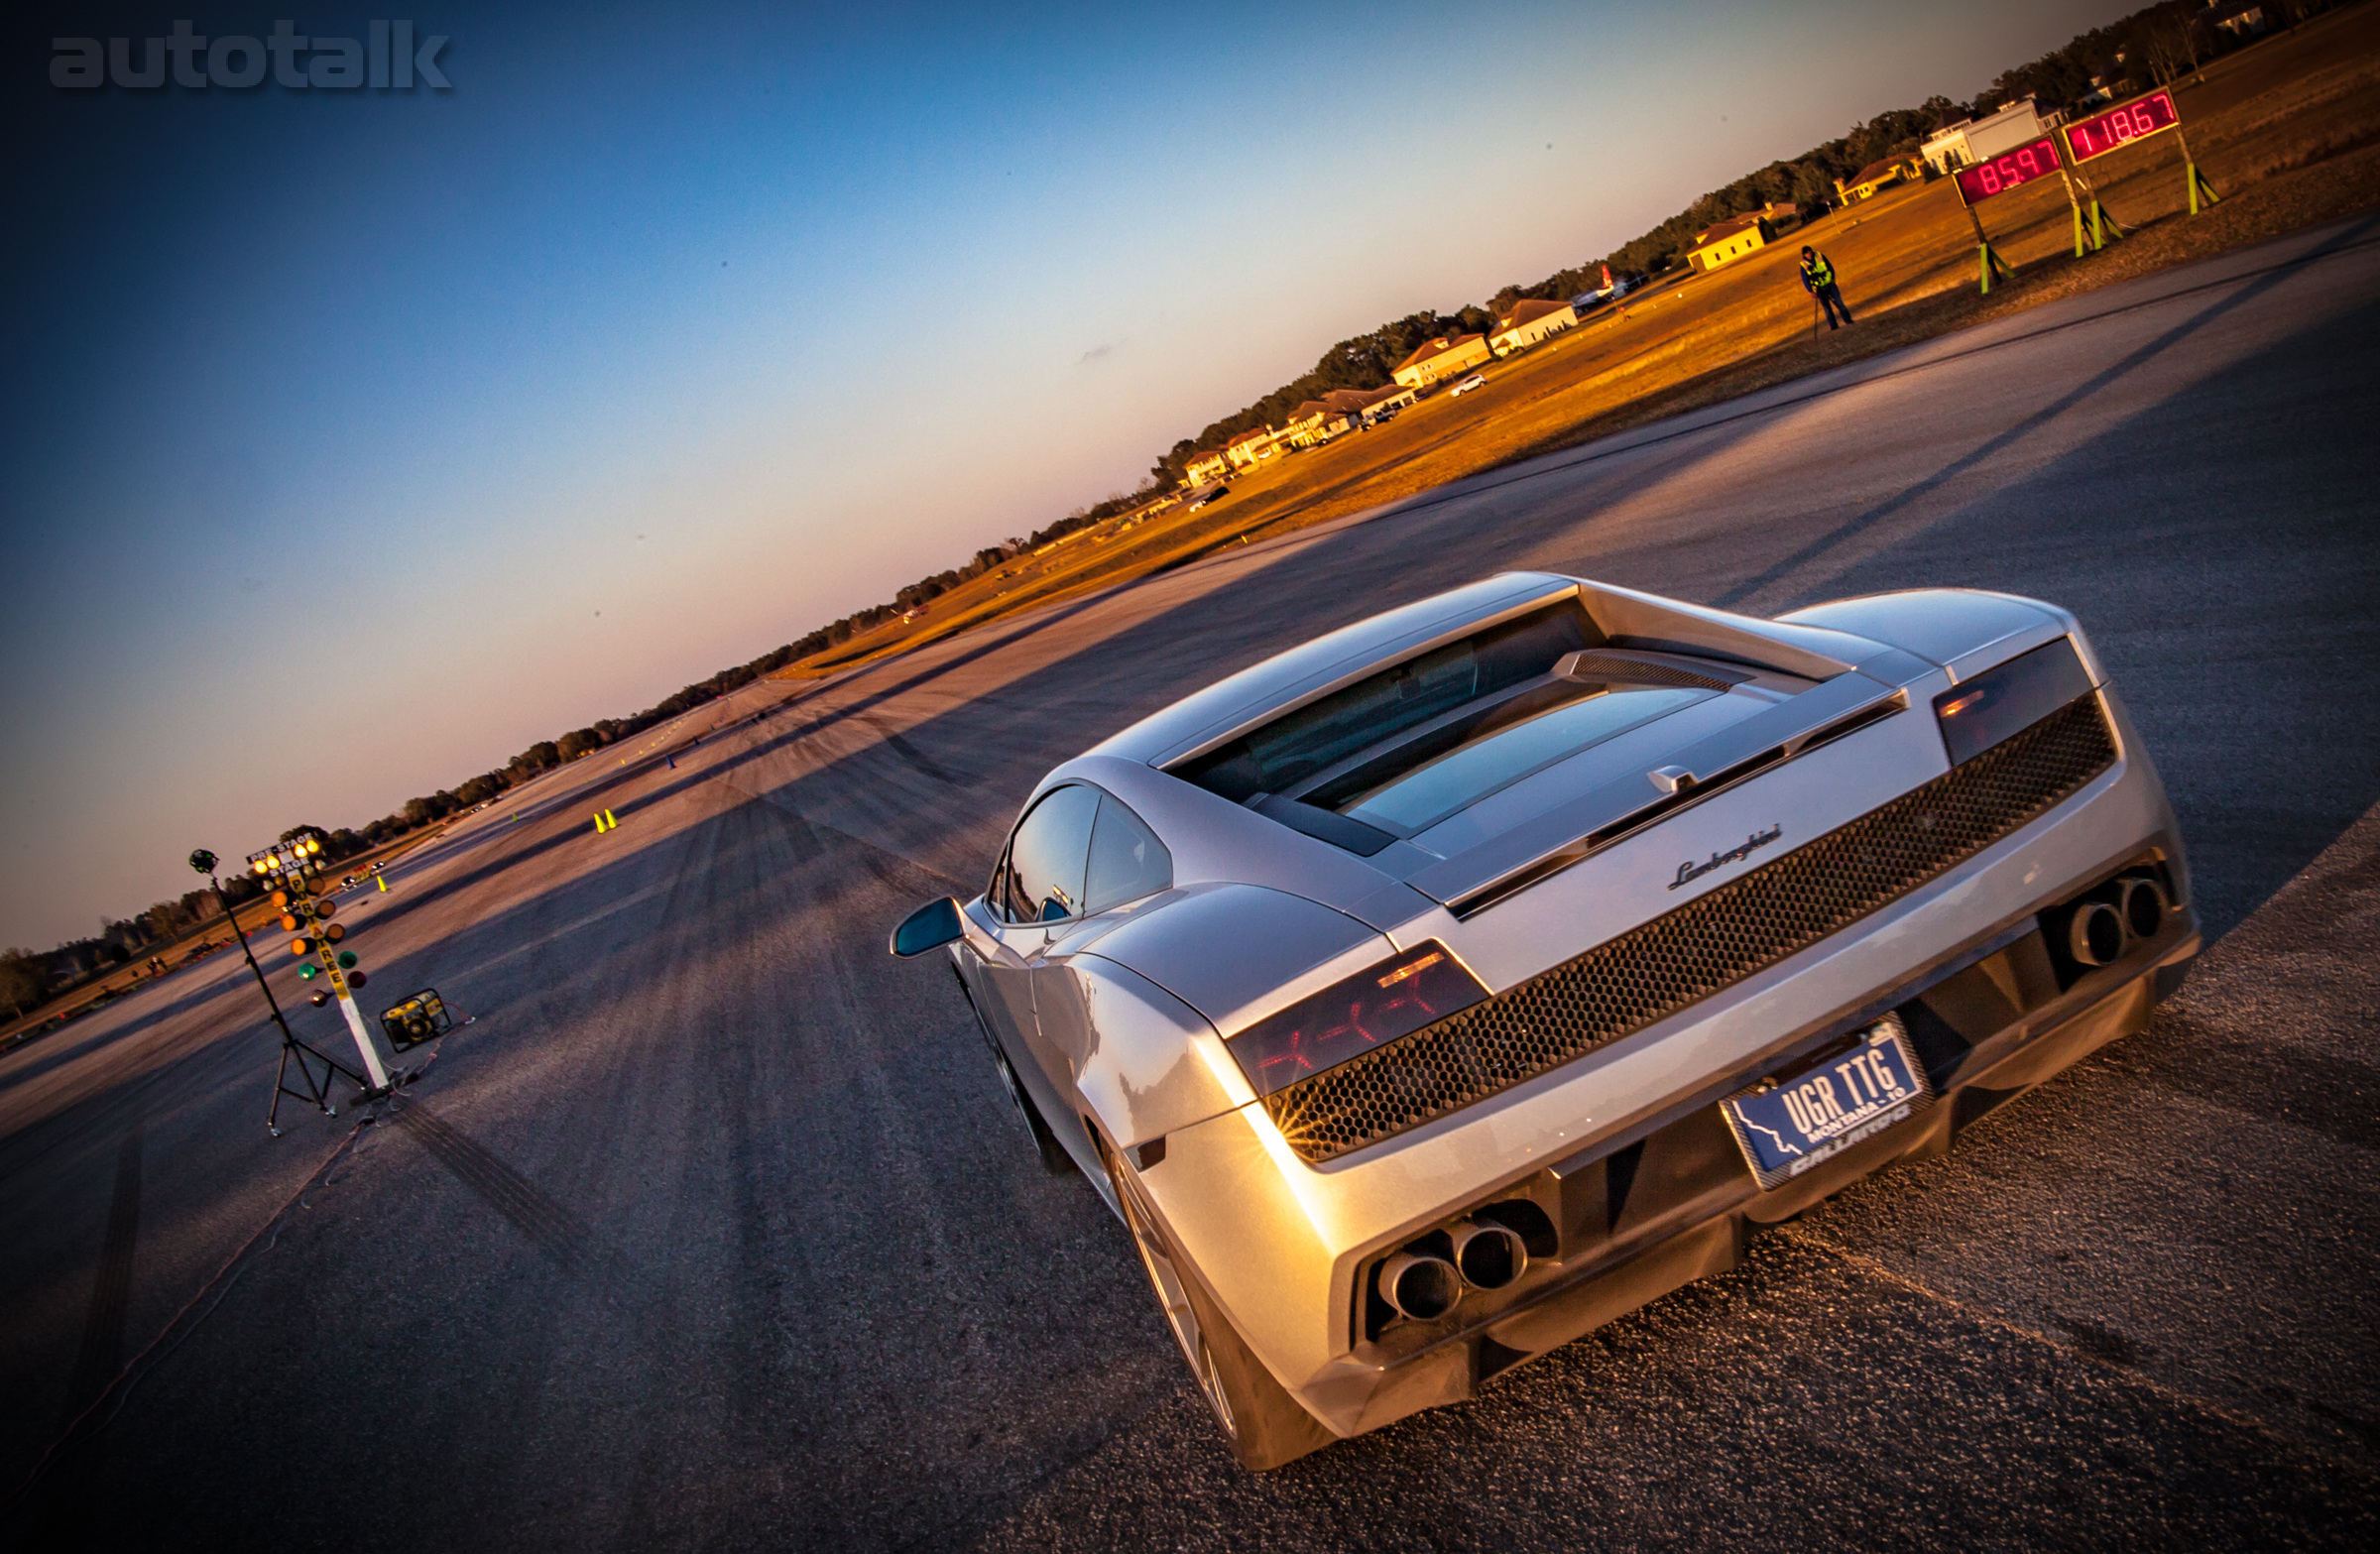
1970 140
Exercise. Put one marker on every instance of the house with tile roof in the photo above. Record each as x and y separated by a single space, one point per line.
1205 468
1245 451
1318 421
1530 321
1730 240
1445 356
1878 176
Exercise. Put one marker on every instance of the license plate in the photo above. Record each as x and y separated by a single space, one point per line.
1789 1124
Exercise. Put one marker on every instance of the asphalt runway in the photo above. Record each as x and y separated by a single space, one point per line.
713 1229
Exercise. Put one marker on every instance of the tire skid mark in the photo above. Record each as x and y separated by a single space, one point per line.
1782 574
554 1228
900 745
111 1291
76 1439
63 1517
809 845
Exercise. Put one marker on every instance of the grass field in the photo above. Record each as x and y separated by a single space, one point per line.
2288 130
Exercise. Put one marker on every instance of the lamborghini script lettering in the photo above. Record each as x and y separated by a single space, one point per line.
1690 871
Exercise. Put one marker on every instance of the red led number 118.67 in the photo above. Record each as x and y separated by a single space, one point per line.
2102 133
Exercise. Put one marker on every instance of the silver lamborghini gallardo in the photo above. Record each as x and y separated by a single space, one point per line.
1437 991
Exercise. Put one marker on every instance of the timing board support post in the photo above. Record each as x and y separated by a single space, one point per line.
1989 263
2193 179
2137 120
2110 229
2094 228
2010 170
2088 239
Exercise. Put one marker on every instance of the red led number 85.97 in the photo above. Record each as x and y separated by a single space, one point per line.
2010 170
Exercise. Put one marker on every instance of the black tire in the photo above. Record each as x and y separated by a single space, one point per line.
1263 1424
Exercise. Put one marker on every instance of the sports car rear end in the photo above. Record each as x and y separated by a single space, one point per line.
1545 939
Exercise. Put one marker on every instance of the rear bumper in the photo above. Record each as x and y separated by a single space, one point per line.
1637 1223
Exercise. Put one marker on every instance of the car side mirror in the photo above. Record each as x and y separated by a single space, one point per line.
929 927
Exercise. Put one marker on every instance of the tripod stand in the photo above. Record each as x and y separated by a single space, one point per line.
315 1090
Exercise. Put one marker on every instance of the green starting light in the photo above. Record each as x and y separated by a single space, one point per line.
346 960
308 971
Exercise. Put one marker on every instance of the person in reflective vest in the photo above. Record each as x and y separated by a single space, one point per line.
1817 279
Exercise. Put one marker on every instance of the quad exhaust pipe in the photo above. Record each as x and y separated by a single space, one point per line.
1425 1286
2142 901
2114 919
1420 1285
1488 1254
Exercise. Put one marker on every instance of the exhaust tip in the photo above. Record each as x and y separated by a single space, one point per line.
1420 1286
1490 1256
2094 935
2144 906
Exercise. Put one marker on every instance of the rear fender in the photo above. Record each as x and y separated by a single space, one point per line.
1145 1063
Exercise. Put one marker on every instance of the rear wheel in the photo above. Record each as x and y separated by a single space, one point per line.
1262 1422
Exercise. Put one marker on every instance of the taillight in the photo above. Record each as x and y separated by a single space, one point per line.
1978 714
1377 1005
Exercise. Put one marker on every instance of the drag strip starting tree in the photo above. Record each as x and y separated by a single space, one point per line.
290 868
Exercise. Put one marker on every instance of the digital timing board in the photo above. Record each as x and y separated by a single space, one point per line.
2007 171
2135 120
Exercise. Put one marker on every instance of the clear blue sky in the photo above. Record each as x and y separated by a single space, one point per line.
661 339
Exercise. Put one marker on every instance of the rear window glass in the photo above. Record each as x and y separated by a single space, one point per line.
1284 753
1411 801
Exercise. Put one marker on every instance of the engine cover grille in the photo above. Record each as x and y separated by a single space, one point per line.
1711 942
